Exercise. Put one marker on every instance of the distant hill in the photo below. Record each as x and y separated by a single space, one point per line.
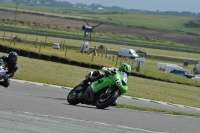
97 8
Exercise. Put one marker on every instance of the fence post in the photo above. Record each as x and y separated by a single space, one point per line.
25 39
3 35
40 46
93 53
132 64
113 57
65 50
106 53
116 61
44 45
121 60
129 61
98 51
60 45
45 41
14 41
11 40
64 45
138 67
36 42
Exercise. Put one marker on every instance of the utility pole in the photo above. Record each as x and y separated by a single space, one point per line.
16 13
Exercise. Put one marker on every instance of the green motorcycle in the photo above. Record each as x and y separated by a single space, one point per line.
102 93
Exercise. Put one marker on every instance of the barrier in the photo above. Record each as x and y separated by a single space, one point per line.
34 55
101 40
24 53
86 65
93 66
76 63
65 61
15 50
4 49
55 59
45 57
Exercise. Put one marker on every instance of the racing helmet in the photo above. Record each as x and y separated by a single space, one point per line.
12 57
125 68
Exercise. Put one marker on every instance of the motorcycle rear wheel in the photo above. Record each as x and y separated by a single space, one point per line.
104 102
72 97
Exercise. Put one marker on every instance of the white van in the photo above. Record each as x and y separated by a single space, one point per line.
56 45
161 66
125 52
84 47
167 67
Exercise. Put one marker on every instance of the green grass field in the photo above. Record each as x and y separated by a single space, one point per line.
43 8
54 29
76 55
73 54
93 44
168 23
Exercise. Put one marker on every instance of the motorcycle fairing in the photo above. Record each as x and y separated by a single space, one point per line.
110 80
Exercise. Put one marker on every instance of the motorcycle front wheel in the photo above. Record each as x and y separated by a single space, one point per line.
72 97
104 100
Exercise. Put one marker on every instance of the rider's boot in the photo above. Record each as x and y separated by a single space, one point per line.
84 83
6 83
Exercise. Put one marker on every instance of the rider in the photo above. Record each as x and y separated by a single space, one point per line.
92 76
11 61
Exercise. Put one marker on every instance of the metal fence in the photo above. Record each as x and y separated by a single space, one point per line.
100 40
106 51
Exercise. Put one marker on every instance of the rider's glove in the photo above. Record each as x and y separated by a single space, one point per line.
108 71
104 69
112 71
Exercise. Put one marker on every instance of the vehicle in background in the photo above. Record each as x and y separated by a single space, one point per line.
182 73
162 66
196 77
84 47
196 69
174 69
125 52
169 68
142 60
56 46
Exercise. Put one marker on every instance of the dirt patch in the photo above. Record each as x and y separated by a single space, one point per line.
162 35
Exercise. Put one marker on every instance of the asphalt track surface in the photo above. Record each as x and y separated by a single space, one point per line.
37 108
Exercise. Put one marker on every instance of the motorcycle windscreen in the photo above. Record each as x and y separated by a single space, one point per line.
124 76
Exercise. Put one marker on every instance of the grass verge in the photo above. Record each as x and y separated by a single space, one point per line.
149 69
98 35
156 110
168 23
52 40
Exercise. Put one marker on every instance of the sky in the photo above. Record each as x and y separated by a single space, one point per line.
151 5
